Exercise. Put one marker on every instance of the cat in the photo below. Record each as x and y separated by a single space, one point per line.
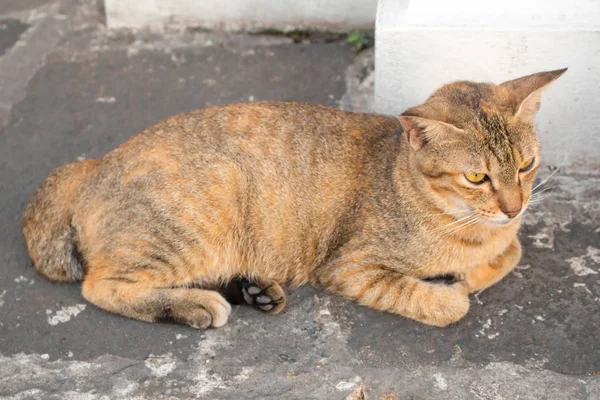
407 215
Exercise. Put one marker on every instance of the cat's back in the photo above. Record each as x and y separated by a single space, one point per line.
260 129
269 117
260 138
300 124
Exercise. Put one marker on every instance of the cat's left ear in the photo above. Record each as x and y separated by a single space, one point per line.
421 131
526 92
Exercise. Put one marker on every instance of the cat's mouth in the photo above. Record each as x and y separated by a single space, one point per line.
504 220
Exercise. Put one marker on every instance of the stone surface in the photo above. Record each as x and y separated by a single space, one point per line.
535 335
16 6
10 31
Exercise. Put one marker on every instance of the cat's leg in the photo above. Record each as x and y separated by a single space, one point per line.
382 288
134 295
489 274
263 294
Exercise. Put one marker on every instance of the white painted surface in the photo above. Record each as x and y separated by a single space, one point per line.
64 314
242 14
421 45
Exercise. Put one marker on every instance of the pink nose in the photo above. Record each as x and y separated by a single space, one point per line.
512 213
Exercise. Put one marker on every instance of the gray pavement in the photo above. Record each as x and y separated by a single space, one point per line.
71 90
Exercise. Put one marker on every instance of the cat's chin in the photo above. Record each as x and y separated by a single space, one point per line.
502 223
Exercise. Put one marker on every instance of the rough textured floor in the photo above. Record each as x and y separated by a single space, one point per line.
71 90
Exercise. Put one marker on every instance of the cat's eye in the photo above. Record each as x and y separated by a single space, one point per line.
474 177
526 166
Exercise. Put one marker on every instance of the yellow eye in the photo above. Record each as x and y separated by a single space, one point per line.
475 177
526 166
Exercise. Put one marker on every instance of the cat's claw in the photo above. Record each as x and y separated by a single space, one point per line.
267 296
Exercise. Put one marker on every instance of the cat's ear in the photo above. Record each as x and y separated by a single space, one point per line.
526 92
421 131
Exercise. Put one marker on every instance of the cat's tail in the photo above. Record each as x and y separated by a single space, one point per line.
47 227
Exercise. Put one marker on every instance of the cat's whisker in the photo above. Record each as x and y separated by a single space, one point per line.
429 217
472 218
537 201
465 225
449 213
539 196
458 221
542 190
455 212
562 163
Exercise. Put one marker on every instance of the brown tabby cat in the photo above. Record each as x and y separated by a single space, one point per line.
370 207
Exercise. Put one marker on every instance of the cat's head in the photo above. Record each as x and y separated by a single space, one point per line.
475 146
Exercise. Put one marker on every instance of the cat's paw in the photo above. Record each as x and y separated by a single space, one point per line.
267 296
446 305
483 277
218 308
200 309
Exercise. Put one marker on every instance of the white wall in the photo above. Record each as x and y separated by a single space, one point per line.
244 15
422 44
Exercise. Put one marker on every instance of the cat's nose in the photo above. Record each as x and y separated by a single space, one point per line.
510 201
512 213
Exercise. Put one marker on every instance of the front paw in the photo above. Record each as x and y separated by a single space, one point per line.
480 278
446 305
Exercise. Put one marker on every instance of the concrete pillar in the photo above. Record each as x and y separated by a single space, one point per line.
422 44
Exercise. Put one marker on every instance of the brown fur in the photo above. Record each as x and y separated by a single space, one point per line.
284 192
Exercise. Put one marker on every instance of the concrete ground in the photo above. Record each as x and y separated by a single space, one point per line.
70 90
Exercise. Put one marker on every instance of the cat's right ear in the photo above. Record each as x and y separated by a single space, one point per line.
526 92
421 131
